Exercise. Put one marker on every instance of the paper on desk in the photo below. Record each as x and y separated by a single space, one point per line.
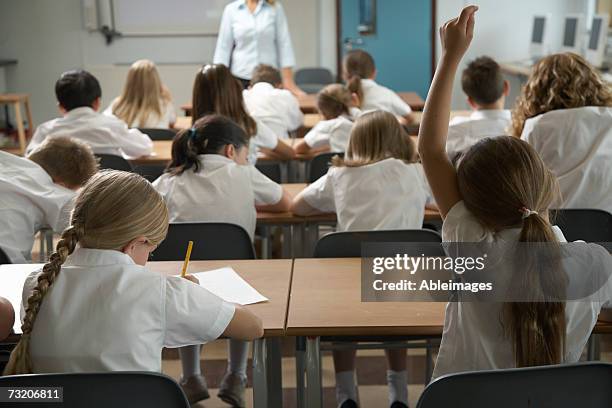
12 278
229 286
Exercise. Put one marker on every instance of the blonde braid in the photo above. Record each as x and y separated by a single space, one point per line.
20 361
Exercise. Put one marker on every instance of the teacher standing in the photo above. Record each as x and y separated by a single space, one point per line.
255 32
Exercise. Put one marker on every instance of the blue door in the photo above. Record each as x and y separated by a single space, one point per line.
401 44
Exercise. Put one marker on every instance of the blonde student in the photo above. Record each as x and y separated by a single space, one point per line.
217 91
359 72
486 90
267 101
336 105
95 307
500 193
79 97
38 192
7 318
208 180
377 186
565 113
145 102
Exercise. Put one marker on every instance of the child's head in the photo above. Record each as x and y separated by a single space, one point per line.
357 65
484 84
211 134
115 211
217 91
377 136
76 89
268 74
334 100
69 162
560 81
143 93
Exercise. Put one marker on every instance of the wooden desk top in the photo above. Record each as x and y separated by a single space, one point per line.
271 277
334 307
515 68
13 97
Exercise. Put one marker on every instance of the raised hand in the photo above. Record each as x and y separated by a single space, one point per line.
456 34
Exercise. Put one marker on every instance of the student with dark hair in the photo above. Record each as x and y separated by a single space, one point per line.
7 318
79 97
486 90
267 101
208 180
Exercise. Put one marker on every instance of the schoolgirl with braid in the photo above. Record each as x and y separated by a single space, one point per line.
95 307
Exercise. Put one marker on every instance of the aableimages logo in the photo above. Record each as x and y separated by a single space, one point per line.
413 264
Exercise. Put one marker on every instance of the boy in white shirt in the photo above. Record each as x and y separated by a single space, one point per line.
486 90
79 97
275 107
37 192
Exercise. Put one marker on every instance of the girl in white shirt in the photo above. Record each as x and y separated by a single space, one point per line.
216 91
208 180
500 193
332 134
145 101
106 311
377 186
565 113
359 72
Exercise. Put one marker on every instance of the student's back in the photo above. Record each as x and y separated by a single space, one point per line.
37 192
78 94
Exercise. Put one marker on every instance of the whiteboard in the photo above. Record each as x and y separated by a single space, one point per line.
167 17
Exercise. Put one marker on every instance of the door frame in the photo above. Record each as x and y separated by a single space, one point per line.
339 42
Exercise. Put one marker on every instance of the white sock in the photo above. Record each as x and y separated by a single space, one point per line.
238 358
398 386
346 387
190 360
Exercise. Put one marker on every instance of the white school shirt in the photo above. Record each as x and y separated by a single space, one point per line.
264 138
388 194
247 39
29 201
276 108
167 118
221 191
106 313
104 134
463 132
473 337
378 97
576 144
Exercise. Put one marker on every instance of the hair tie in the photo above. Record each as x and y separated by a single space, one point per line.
192 134
527 212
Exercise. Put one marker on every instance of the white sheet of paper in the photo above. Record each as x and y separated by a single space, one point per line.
229 286
12 278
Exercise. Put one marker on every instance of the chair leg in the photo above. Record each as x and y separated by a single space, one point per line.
300 366
428 362
593 351
314 392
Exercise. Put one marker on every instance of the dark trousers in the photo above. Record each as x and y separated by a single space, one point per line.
244 82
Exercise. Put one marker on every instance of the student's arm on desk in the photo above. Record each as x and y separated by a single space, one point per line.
302 208
245 325
283 205
283 151
302 147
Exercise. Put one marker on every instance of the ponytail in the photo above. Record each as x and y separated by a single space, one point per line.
207 136
354 85
334 100
20 361
358 65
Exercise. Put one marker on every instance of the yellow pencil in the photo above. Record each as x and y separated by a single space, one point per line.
187 256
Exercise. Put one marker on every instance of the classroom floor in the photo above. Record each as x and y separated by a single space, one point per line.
371 369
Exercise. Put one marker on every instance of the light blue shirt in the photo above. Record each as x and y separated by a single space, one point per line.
248 39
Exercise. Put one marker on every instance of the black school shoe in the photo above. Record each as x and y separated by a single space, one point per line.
398 404
349 403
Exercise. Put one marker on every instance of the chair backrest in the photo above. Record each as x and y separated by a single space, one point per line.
270 170
347 244
158 133
319 165
211 240
561 386
584 224
312 80
150 171
113 162
4 259
103 390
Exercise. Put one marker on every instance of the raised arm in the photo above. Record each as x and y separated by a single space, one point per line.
455 37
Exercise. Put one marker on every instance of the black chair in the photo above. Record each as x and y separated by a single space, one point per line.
561 386
158 133
211 240
584 224
150 171
319 165
347 244
4 259
113 162
270 170
103 390
312 80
